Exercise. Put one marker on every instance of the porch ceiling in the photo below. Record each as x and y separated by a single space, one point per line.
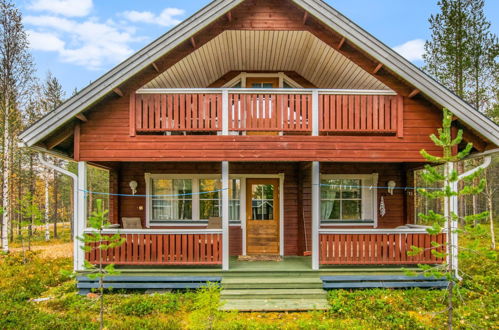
240 50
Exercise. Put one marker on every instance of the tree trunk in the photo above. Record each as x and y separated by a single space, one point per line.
47 205
490 206
6 181
56 203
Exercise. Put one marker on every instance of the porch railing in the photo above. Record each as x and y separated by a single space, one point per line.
162 247
377 246
274 110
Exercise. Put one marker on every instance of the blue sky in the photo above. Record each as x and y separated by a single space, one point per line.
79 40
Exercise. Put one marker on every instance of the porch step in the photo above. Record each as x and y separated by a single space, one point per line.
275 305
271 282
273 294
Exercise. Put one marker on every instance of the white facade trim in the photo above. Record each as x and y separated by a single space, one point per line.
225 215
316 213
81 210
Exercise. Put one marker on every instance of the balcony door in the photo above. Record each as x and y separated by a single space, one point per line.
262 216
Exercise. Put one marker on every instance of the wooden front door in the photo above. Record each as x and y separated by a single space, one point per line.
262 216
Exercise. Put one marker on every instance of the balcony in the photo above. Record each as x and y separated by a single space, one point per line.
266 112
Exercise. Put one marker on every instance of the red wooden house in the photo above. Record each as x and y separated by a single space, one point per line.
282 118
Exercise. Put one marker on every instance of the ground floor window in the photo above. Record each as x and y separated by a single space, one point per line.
183 199
347 199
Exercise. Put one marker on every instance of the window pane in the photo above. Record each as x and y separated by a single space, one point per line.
351 210
330 210
351 189
234 189
166 210
182 187
330 189
209 188
234 207
209 208
162 187
263 210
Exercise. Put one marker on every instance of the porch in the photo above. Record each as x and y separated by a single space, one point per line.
203 247
332 215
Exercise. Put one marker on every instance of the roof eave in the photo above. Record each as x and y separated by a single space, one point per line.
122 72
402 67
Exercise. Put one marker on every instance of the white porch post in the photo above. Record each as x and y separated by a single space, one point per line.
316 205
81 211
225 215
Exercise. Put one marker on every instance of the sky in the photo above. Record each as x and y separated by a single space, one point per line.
80 40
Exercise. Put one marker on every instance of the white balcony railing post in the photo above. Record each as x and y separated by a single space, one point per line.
315 113
225 112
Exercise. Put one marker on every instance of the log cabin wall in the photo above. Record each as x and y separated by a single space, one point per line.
105 137
135 206
398 210
297 193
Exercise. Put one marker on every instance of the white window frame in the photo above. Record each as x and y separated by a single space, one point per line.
195 221
369 196
244 75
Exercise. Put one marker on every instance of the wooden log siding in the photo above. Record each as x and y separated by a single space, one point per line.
359 113
377 248
178 112
270 112
149 248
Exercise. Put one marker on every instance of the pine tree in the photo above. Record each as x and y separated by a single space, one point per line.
447 54
448 221
483 53
52 97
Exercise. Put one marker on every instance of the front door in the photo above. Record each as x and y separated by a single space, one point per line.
262 216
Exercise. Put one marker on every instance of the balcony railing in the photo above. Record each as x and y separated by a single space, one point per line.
378 246
267 110
161 247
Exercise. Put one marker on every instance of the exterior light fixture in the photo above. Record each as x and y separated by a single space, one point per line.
133 186
391 186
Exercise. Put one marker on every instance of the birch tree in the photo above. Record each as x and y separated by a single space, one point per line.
16 69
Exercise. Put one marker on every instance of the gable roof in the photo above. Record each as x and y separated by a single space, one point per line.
317 8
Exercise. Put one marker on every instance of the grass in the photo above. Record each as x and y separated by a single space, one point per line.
31 277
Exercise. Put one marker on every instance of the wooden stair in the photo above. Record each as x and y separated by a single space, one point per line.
273 292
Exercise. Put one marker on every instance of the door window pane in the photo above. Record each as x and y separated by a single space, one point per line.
262 201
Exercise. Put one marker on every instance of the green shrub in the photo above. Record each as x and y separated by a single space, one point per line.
141 305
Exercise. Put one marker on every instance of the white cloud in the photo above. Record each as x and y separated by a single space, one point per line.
412 50
70 8
165 18
45 41
89 43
